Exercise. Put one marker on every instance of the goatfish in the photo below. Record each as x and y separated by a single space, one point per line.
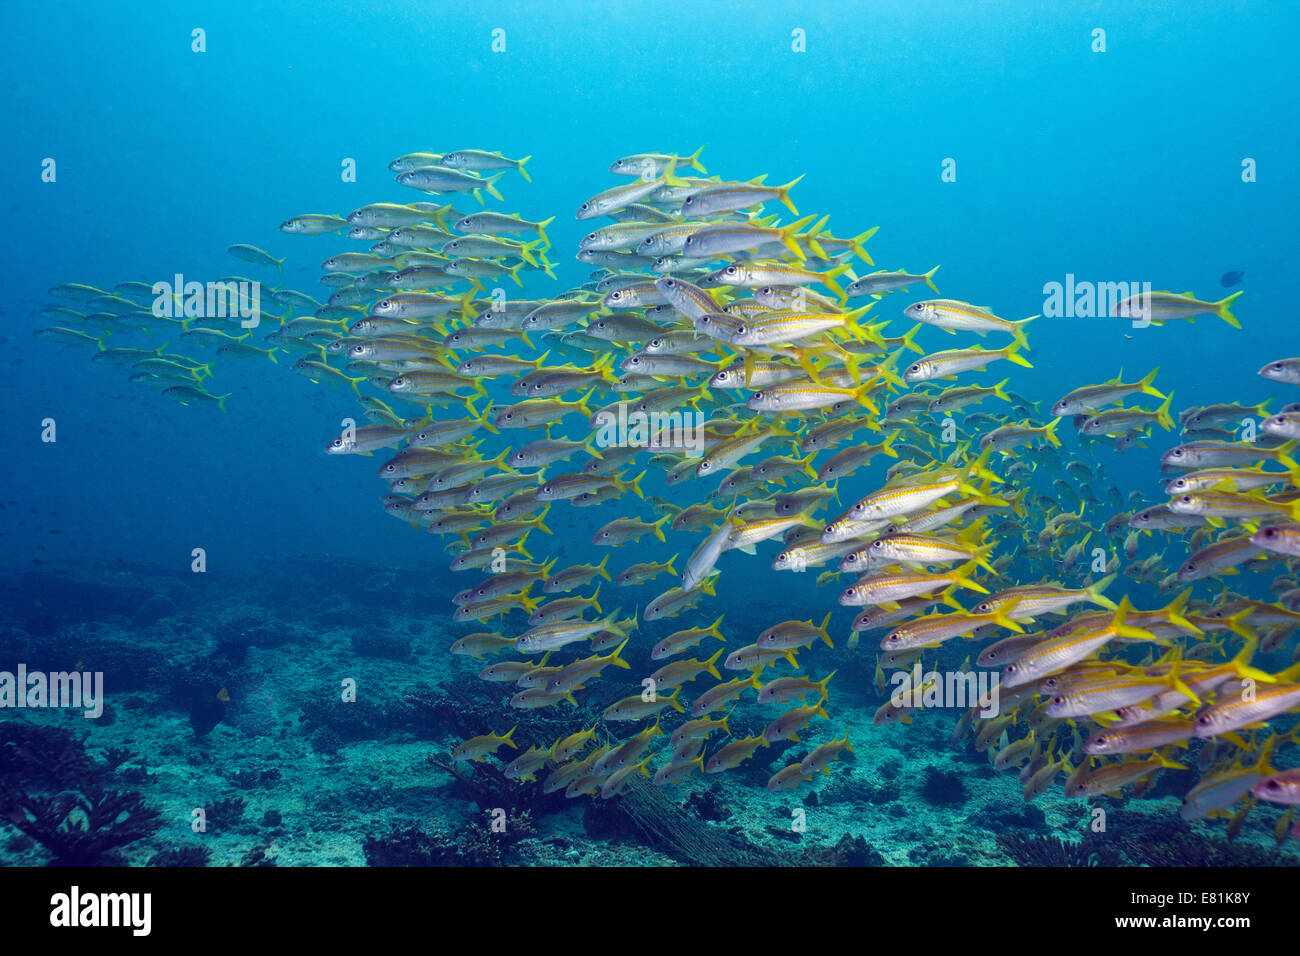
956 316
479 748
1157 308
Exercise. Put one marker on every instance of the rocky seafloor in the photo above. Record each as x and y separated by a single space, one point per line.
226 695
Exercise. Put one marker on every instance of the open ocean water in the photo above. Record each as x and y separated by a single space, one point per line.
220 645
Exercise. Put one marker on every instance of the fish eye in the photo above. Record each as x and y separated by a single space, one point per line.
585 205
1058 699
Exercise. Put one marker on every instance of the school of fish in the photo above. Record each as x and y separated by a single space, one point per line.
940 510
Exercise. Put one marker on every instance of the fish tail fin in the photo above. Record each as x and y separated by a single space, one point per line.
909 340
824 630
712 664
1222 311
862 395
948 597
221 400
713 629
1049 431
670 174
583 408
1283 453
526 252
659 528
635 485
602 570
1147 385
998 390
1097 597
853 322
962 576
541 231
887 446
980 556
783 192
787 234
860 250
693 161
1173 612
1003 621
828 279
618 661
929 280
1162 413
523 172
1018 331
491 186
1012 353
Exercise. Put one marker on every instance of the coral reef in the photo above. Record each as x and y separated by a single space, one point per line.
1031 850
943 788
53 791
83 829
476 844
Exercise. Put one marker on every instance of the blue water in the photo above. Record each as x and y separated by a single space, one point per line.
1111 166
1120 165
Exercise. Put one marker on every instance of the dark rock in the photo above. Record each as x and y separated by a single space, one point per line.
943 788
